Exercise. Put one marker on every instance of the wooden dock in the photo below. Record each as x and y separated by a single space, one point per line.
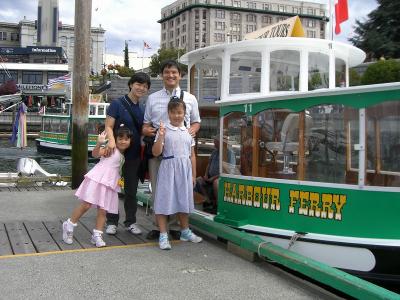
26 237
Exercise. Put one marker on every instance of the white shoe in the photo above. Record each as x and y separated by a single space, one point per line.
164 244
134 229
97 239
68 232
190 237
111 229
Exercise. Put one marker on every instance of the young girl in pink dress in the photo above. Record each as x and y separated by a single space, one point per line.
100 187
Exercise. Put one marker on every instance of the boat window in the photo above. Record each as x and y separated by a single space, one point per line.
383 144
46 124
93 126
329 142
245 73
276 135
340 77
237 144
318 71
285 70
64 125
207 82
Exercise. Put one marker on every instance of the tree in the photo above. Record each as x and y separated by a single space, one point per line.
126 55
355 78
379 34
165 54
381 72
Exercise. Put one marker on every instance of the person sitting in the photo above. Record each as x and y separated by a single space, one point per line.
207 186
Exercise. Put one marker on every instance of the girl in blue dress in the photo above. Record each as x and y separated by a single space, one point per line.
174 193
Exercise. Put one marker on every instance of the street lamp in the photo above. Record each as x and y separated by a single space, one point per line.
126 54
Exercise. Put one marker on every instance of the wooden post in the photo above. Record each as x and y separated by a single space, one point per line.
80 90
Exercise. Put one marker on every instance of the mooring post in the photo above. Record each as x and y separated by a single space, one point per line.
80 90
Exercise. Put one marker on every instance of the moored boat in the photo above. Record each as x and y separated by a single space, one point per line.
316 166
55 134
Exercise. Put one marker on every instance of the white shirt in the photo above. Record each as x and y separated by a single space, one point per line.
157 107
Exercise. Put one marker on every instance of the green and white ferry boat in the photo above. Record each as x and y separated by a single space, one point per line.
317 168
56 133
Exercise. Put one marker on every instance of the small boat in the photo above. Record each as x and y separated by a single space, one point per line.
56 133
317 168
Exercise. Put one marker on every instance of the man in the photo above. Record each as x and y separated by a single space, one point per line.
127 111
207 185
156 111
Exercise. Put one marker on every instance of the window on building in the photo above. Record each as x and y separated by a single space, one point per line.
322 12
178 21
220 25
196 26
196 37
203 37
311 23
164 36
295 9
178 31
14 36
32 77
171 34
282 8
252 5
196 46
164 26
236 3
235 16
183 39
196 14
251 28
235 27
171 23
4 76
220 2
219 37
251 18
311 34
267 6
204 14
267 19
184 28
3 36
311 11
183 17
204 27
280 19
177 43
220 14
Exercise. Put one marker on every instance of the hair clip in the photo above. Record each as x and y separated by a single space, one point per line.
174 99
121 125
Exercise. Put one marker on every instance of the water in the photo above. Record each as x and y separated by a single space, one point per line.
52 163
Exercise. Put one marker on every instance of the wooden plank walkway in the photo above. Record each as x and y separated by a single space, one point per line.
26 237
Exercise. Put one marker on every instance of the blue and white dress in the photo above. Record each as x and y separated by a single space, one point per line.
174 191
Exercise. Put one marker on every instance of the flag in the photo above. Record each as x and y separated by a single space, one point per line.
146 46
59 82
341 13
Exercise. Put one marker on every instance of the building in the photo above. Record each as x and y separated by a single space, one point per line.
33 52
193 24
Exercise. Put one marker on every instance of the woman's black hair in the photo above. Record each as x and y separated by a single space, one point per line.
175 102
139 77
123 131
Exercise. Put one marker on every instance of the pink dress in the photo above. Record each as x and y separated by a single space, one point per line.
100 186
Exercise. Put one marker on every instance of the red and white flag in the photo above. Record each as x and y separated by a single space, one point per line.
146 46
341 13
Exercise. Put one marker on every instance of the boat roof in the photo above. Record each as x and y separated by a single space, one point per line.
349 53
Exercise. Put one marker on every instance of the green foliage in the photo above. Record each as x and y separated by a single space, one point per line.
355 78
126 55
381 72
379 34
165 54
124 71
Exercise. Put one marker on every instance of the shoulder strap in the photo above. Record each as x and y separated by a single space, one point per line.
181 96
129 110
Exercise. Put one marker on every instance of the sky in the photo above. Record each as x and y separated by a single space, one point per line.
136 20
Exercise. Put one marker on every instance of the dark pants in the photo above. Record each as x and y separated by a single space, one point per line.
131 180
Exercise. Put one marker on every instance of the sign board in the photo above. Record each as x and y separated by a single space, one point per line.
31 50
287 28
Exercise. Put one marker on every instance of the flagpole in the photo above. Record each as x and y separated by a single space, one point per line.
331 23
142 56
